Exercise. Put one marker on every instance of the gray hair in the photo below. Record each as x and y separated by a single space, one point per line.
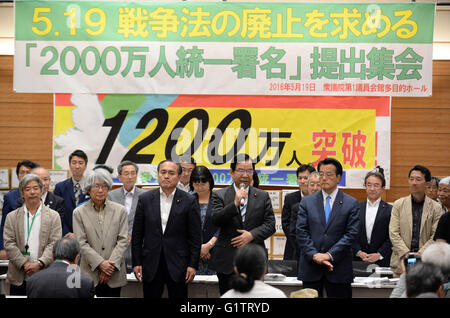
423 278
313 174
445 181
28 178
97 175
438 253
126 163
66 248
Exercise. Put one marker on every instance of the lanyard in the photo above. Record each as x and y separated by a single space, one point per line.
30 227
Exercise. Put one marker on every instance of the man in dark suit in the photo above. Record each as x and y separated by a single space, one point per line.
373 244
70 189
51 200
289 215
166 237
244 214
327 226
62 279
11 199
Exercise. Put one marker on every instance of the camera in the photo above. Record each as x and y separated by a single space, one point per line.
411 259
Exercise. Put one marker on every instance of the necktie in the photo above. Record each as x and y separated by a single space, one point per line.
327 209
76 190
243 211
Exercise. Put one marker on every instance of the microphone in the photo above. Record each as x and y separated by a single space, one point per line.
242 186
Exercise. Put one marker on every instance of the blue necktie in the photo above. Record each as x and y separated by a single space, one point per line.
327 209
243 211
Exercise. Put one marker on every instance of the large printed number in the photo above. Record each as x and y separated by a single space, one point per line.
46 20
163 117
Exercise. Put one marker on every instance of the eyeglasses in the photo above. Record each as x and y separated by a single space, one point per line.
241 171
187 169
200 180
374 185
100 186
328 174
131 174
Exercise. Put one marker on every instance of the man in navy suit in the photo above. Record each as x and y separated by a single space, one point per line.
70 189
166 237
327 226
373 244
11 199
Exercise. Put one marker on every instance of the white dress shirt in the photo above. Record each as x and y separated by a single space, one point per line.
128 199
333 197
371 214
33 237
165 206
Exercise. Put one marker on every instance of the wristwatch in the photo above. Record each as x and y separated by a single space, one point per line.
41 264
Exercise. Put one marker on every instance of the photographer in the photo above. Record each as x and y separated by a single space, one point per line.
437 254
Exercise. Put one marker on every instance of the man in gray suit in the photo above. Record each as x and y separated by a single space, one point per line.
127 195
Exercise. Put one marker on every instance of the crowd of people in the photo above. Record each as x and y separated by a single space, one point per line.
83 239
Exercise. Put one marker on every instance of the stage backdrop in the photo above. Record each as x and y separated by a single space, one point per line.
238 48
279 132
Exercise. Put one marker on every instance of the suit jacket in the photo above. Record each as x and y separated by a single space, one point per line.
400 228
60 281
98 245
54 202
259 221
335 237
64 189
14 237
9 204
289 222
118 196
379 239
180 244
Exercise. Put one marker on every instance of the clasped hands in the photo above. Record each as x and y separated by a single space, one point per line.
31 267
106 270
323 259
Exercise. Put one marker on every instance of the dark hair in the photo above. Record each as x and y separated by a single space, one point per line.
305 167
26 163
107 168
241 157
423 278
66 248
251 263
188 160
435 180
422 169
331 161
255 179
126 163
180 170
201 173
78 153
378 172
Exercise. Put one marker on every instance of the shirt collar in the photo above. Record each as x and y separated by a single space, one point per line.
375 204
125 191
333 194
161 192
37 211
236 189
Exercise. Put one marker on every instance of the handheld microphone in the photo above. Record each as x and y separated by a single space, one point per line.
242 186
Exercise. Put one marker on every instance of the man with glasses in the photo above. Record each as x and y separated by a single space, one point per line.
127 195
373 244
244 214
327 226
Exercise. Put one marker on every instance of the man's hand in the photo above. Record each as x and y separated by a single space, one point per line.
204 253
137 270
31 267
104 278
190 274
71 235
243 239
241 194
107 267
323 259
372 258
3 254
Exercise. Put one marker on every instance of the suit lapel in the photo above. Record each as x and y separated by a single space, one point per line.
362 219
156 208
44 229
229 197
107 219
93 218
378 217
21 230
176 204
321 208
251 200
427 207
336 207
